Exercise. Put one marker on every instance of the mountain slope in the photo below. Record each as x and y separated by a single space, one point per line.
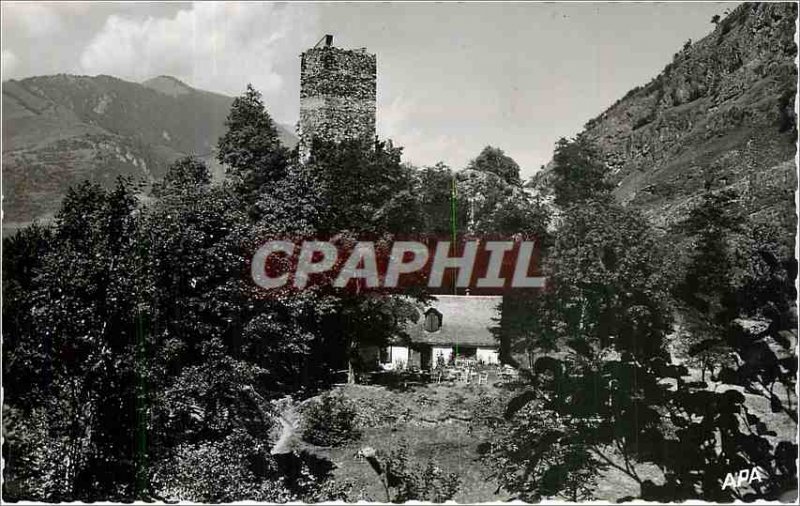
723 109
59 130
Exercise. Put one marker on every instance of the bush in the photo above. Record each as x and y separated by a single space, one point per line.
220 471
330 421
34 459
239 467
487 414
536 456
404 480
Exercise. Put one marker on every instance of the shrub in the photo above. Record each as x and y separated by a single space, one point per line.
220 471
331 421
238 467
537 456
34 458
487 413
335 490
404 480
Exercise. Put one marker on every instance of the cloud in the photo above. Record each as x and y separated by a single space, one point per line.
398 120
215 46
9 61
35 19
393 116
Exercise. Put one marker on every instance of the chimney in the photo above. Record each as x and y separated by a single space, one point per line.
328 41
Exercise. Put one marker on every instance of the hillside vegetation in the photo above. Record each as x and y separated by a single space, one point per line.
143 362
60 130
722 110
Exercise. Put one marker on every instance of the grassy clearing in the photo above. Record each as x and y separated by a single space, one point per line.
433 421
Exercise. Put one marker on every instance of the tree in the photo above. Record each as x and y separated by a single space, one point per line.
605 307
614 387
219 347
434 187
578 173
366 192
365 188
715 19
518 214
28 464
250 148
478 195
151 349
82 294
521 329
148 346
763 336
23 254
605 281
707 291
522 217
494 160
187 172
556 464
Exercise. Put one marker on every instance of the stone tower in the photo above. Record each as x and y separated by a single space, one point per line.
337 94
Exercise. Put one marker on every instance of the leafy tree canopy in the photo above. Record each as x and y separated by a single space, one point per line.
494 160
578 173
250 149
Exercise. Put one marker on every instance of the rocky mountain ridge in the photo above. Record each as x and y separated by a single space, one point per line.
721 112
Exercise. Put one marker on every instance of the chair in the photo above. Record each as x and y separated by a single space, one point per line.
469 375
483 378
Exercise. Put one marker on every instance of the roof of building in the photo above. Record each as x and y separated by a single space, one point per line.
466 320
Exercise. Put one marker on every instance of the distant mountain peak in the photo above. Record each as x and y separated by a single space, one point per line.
168 85
60 130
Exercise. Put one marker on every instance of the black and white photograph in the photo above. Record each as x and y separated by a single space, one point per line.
399 252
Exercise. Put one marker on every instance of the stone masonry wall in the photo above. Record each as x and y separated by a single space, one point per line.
337 95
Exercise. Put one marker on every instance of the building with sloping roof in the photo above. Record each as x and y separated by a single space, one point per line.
450 326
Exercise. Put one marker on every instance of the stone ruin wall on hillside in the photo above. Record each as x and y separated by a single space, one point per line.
337 96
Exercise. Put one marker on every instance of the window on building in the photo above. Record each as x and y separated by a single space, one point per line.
433 321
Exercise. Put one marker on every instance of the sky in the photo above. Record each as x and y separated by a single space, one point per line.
452 77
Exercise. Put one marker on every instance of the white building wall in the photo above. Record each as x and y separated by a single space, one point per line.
488 356
398 356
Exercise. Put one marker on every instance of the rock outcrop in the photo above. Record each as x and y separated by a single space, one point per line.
721 111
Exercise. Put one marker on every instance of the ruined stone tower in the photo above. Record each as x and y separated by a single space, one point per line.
337 94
